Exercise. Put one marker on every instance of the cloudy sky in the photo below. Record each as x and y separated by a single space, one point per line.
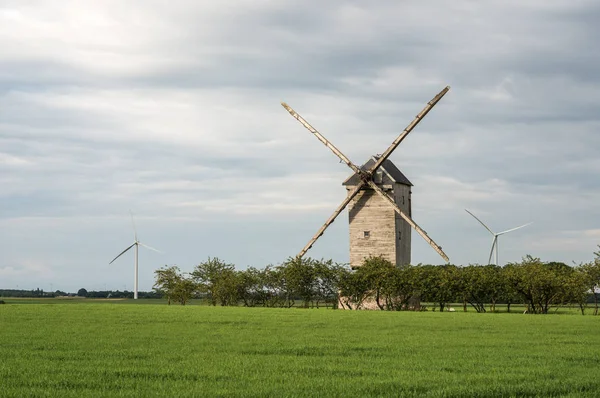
172 109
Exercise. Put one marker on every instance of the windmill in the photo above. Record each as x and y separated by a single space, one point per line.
136 243
379 213
495 236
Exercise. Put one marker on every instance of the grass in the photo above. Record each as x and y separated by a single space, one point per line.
102 349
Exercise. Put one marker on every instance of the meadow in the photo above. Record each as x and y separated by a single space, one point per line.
92 348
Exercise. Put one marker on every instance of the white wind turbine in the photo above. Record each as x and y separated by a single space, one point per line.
496 235
135 243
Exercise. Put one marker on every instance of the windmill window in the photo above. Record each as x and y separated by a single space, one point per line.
367 234
402 199
399 235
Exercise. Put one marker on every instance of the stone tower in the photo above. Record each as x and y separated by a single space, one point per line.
375 228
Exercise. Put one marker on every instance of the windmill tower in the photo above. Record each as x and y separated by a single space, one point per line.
375 227
380 203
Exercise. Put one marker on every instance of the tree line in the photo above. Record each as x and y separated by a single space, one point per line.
24 293
378 283
116 294
309 281
40 293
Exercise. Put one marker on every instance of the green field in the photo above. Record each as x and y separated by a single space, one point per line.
91 348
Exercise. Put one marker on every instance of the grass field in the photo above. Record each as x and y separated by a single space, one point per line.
91 348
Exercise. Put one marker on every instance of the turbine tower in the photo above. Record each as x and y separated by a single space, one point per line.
496 235
136 243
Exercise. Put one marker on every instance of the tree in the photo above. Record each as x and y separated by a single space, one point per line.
354 289
184 290
166 280
377 273
540 284
591 272
300 276
82 292
376 279
225 289
461 284
173 285
328 275
479 285
509 293
207 273
575 289
250 286
400 288
496 287
474 286
593 276
267 286
438 284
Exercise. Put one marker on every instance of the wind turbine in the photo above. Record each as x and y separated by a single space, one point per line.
136 243
496 235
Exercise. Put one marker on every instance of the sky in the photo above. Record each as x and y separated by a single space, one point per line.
172 110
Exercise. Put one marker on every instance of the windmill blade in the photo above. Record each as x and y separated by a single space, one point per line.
133 223
330 220
514 229
151 248
481 222
324 140
413 224
123 252
494 243
408 129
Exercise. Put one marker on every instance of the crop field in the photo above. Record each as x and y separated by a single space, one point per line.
90 349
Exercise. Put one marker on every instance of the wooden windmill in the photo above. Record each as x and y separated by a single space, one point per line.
379 198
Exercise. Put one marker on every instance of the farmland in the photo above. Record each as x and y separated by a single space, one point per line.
90 348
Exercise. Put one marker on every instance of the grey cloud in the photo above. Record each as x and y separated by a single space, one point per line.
180 120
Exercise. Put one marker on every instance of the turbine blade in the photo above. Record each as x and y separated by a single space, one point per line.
481 222
494 241
331 218
123 252
133 223
321 138
514 229
413 224
151 248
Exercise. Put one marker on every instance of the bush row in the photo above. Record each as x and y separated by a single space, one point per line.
380 284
